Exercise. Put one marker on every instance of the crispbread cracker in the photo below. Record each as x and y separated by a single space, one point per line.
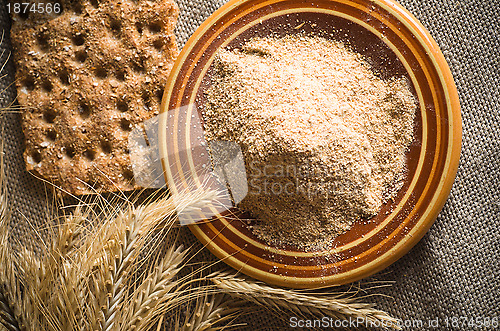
85 78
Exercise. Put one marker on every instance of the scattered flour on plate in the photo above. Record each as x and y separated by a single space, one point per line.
324 137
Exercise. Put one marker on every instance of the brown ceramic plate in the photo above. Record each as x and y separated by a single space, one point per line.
391 37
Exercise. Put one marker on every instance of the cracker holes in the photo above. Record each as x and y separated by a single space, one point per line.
81 56
78 39
51 135
159 95
43 42
116 27
122 105
128 174
36 156
139 67
77 8
158 44
120 75
47 86
24 15
100 72
49 116
64 77
146 99
84 110
106 147
29 83
138 26
125 124
89 154
154 27
70 152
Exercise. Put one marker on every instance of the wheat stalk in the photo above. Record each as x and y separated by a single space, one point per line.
336 305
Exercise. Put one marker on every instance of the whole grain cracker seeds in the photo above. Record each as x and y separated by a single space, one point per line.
324 138
85 78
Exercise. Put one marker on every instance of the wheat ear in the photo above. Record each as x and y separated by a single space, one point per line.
120 254
7 316
155 293
10 289
119 241
336 305
53 282
65 273
211 310
10 295
114 251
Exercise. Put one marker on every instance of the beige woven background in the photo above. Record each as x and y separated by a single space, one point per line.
454 270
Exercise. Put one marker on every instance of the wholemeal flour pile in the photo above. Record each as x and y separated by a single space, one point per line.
85 77
324 138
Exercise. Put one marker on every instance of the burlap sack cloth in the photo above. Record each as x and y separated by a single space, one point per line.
454 271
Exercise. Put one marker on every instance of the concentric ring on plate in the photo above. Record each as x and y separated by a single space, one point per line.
389 36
